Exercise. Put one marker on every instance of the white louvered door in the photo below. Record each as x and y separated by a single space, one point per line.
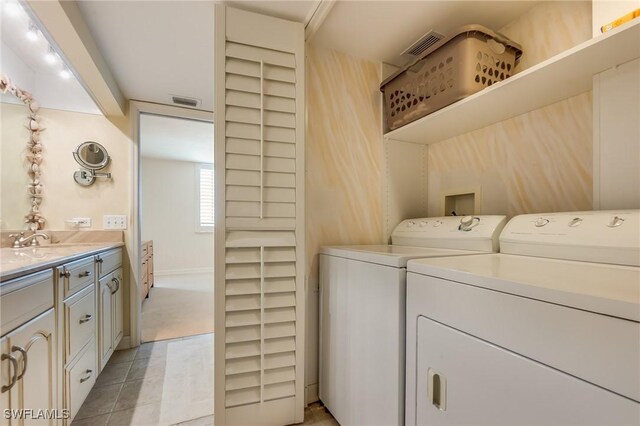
259 224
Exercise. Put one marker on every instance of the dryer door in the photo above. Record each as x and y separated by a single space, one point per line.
464 380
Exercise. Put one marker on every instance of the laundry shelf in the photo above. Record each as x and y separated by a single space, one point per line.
560 77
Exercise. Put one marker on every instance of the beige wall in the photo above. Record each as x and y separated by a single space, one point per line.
344 161
539 161
169 197
548 29
63 198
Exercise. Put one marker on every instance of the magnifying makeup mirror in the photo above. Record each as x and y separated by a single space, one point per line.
92 156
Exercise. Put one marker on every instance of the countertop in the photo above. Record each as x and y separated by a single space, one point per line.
18 262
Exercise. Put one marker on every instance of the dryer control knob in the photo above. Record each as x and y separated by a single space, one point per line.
423 224
576 221
411 223
466 221
615 222
541 221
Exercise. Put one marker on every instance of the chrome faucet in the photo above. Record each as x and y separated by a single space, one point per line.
20 241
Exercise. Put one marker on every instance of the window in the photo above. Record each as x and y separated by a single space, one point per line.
205 198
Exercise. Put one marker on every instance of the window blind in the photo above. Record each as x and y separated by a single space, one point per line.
205 197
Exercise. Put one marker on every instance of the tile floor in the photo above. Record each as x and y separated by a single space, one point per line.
168 382
160 383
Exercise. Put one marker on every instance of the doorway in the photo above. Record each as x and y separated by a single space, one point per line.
176 227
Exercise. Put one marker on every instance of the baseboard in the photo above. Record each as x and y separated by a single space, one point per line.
311 393
188 271
125 343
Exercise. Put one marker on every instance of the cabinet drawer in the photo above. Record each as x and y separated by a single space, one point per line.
25 298
77 275
109 261
80 378
80 320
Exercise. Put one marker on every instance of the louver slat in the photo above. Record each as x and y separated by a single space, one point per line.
242 397
280 390
245 365
243 381
279 375
285 329
252 147
272 316
243 334
251 53
285 359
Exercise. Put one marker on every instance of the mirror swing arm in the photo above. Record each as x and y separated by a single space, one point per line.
34 220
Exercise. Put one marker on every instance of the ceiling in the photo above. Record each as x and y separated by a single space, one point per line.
381 30
23 61
293 10
157 49
179 139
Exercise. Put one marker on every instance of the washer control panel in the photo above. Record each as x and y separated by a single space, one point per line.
478 233
594 236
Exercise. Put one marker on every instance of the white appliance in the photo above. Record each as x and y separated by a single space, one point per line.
362 318
545 332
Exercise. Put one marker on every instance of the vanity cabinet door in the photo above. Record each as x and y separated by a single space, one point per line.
106 320
34 347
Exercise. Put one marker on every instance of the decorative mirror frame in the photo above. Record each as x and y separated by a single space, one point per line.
34 220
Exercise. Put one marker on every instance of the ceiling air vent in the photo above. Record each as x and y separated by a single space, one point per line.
422 44
185 101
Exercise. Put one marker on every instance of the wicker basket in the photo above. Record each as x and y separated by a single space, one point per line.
454 68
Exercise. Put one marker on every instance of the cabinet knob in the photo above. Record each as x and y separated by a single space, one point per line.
65 274
85 274
99 260
86 318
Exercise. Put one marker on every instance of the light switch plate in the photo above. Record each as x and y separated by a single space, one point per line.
114 221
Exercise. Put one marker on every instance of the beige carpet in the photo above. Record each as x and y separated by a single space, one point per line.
178 306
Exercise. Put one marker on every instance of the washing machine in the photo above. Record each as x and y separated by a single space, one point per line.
545 332
362 313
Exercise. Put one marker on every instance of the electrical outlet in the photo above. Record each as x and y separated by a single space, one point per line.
82 222
115 221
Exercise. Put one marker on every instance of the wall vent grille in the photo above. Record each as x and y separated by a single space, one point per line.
422 44
185 101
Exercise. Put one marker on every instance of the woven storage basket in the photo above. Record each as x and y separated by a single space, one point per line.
454 68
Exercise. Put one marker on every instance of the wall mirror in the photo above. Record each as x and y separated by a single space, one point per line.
93 157
20 159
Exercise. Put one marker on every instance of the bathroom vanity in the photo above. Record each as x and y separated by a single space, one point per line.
61 309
